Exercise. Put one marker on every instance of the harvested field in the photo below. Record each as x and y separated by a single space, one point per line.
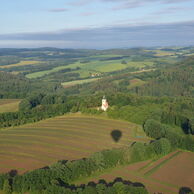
170 173
9 105
179 171
66 137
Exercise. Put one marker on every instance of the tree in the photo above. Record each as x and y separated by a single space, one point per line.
161 146
154 128
6 187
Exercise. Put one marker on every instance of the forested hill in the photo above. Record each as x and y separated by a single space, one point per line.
17 86
174 81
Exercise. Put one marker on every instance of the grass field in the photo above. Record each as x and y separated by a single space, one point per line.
22 63
66 137
76 82
166 175
9 105
94 66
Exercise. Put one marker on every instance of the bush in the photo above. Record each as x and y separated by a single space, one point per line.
161 146
138 152
154 129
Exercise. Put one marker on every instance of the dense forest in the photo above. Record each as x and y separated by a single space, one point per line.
175 81
17 86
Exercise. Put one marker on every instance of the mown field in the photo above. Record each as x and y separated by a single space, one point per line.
9 105
66 137
166 175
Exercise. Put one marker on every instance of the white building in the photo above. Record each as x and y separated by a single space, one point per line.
104 106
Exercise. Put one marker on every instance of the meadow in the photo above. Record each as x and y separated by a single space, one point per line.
67 137
165 175
94 66
22 63
9 105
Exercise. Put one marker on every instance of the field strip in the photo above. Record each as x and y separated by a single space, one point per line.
58 130
23 155
90 118
10 166
86 125
43 159
59 142
105 122
150 165
151 171
54 149
62 143
144 179
63 131
44 151
67 135
88 128
46 143
147 165
67 148
111 174
85 148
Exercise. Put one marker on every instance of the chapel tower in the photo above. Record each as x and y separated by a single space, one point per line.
104 106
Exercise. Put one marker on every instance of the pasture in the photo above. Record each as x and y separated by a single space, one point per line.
166 175
67 137
9 105
22 63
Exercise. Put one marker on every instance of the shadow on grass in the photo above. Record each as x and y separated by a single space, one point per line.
116 135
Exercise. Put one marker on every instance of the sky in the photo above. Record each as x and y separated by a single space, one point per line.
98 24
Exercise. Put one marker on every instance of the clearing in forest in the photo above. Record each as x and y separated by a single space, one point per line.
78 82
9 105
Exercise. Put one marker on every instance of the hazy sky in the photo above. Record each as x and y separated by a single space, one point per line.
96 23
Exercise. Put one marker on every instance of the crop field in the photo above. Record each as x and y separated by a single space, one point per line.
22 63
67 137
76 82
9 105
166 175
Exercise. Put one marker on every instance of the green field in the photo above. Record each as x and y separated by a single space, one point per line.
94 66
9 105
66 137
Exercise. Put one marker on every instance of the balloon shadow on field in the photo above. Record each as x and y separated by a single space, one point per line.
116 135
185 190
